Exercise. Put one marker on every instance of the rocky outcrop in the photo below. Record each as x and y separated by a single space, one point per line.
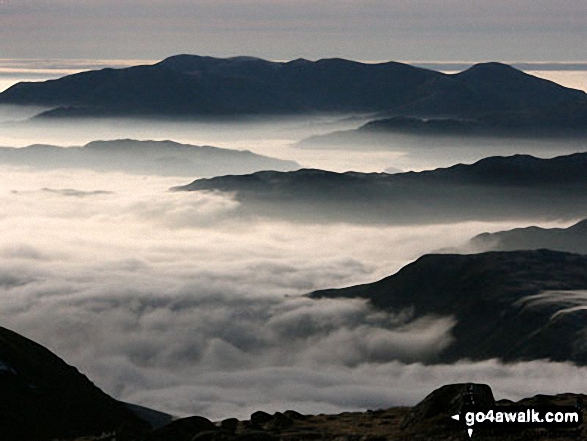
446 401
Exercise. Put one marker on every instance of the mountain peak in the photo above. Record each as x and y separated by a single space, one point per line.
490 68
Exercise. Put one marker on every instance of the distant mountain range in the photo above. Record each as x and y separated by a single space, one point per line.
572 239
513 187
563 121
568 123
190 86
519 305
166 158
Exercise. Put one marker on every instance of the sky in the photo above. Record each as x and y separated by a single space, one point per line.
420 30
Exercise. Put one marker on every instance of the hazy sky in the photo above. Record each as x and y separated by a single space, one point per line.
502 30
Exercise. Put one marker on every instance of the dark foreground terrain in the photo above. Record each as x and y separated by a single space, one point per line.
43 398
428 420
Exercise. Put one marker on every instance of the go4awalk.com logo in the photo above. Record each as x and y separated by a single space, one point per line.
516 418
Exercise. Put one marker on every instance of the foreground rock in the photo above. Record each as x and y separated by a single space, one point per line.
428 420
446 401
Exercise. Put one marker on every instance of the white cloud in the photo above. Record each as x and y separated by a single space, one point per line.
167 300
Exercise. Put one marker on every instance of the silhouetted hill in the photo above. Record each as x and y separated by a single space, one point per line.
166 158
508 305
563 121
43 398
190 85
519 186
572 239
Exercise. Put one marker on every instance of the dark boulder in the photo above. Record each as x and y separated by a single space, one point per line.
294 415
280 421
229 424
259 418
446 401
182 430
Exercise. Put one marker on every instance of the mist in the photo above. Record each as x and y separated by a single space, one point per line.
280 138
173 301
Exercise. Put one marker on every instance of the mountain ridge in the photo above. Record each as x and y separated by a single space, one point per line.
505 303
195 86
571 239
167 158
499 187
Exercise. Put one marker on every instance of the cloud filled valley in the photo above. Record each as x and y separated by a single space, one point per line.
173 301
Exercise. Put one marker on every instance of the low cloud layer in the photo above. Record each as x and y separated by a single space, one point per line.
172 301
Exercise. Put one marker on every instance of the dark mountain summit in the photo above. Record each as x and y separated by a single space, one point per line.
513 187
522 305
43 398
190 85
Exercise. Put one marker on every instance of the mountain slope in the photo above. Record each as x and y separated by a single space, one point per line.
521 305
190 85
513 187
572 239
43 398
166 158
558 121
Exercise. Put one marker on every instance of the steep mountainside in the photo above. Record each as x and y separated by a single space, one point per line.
572 239
520 305
43 398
